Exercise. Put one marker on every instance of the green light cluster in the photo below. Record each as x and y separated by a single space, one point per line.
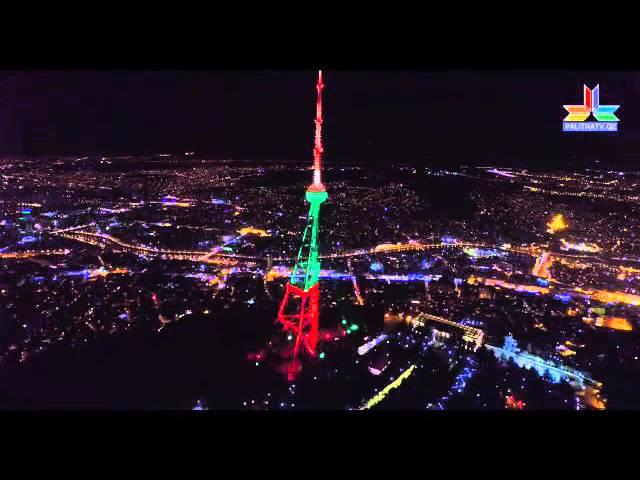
352 328
307 268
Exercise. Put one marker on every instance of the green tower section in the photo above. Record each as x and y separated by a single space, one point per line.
307 268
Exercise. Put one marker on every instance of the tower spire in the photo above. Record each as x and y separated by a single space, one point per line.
317 185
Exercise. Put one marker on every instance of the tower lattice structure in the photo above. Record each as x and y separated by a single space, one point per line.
300 308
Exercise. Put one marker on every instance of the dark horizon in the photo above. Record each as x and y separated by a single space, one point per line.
510 118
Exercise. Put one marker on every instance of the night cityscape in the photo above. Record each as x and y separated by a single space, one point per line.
262 242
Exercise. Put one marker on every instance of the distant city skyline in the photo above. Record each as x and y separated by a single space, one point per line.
440 117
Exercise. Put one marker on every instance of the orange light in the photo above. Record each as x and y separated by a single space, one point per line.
605 296
614 323
254 231
557 224
542 265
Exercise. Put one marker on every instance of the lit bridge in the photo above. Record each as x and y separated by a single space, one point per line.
470 335
541 366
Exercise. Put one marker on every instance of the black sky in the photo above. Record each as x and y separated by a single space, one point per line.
443 117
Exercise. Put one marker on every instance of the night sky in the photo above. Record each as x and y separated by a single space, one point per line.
440 118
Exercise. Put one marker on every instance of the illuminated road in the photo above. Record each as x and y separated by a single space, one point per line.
33 253
385 391
542 266
71 229
103 240
218 258
354 280
401 247
228 259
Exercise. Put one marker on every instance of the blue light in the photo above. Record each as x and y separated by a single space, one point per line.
76 273
376 267
563 297
334 275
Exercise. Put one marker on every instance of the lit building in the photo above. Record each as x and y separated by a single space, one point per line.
511 351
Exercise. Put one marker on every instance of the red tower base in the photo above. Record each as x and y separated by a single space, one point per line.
303 321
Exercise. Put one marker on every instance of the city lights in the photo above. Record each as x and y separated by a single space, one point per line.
384 274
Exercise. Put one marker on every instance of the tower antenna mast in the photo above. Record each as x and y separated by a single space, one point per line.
317 148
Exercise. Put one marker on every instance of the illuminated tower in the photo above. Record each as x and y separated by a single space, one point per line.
300 308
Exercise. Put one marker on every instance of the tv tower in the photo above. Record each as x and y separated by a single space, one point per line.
300 308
